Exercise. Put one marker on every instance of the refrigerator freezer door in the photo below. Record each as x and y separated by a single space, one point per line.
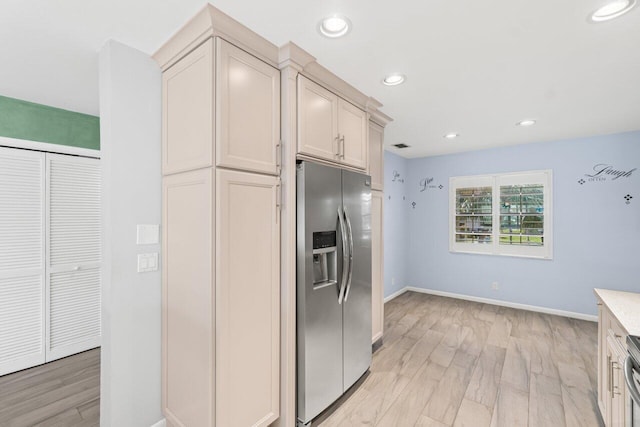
319 316
356 199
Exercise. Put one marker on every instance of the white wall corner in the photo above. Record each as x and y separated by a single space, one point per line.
396 294
130 135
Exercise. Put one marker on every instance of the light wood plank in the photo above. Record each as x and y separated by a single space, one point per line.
545 402
473 414
452 362
512 407
483 387
61 393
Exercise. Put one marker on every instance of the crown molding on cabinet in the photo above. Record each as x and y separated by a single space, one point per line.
306 64
211 22
378 116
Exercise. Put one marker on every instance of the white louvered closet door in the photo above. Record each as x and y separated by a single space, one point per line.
73 256
22 259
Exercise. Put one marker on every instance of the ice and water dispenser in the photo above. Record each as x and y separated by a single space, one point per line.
325 264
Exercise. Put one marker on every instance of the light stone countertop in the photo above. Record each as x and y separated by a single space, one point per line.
625 306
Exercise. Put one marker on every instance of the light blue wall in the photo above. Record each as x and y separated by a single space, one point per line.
596 234
395 223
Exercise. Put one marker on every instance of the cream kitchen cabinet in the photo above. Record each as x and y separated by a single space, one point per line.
376 156
377 265
329 127
376 169
242 110
617 318
221 225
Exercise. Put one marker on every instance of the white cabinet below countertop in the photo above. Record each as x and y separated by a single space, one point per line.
625 306
618 316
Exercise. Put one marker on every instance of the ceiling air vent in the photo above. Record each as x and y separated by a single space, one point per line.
401 145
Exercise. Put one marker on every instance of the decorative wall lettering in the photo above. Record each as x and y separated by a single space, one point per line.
602 171
425 184
396 177
628 198
581 181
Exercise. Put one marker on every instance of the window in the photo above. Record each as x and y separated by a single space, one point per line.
506 214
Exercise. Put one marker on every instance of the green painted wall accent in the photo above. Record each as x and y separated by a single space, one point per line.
36 122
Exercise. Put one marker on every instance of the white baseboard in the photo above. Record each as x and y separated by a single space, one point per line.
581 316
161 423
396 294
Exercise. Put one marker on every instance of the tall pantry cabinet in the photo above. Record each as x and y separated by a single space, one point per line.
377 122
221 225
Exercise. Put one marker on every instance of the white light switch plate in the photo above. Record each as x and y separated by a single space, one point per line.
148 234
147 262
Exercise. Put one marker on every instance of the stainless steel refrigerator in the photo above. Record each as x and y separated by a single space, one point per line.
333 284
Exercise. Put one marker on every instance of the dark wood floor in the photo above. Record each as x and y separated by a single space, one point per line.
63 393
448 362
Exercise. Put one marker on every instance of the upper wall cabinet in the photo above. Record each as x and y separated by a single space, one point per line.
245 104
187 112
317 120
329 127
352 130
247 111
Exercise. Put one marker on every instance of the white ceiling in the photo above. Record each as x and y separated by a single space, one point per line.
475 68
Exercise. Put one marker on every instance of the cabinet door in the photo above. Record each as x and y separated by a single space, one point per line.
353 126
74 255
247 299
188 363
247 110
602 360
22 259
187 112
618 387
317 120
376 156
377 264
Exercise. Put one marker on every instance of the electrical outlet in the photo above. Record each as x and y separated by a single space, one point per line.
495 286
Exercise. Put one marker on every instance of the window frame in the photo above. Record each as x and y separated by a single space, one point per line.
495 181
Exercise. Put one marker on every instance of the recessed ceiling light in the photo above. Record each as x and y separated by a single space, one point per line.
394 79
526 123
451 135
612 10
334 26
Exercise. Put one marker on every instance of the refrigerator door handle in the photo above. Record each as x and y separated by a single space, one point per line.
345 256
632 388
350 275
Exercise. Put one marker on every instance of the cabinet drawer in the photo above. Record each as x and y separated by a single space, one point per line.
617 332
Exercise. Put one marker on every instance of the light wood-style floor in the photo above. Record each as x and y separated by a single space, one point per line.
62 393
450 362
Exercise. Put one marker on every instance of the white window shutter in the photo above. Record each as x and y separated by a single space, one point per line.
22 226
74 255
